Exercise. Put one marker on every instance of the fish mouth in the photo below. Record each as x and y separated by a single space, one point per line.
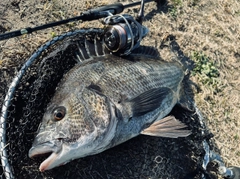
49 151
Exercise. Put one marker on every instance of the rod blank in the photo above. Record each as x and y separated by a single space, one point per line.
89 15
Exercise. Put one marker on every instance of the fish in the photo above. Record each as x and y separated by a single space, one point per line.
103 102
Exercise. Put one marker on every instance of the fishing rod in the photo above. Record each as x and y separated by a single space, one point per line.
89 15
121 35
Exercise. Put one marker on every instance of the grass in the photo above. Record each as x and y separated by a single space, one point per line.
205 69
173 11
210 35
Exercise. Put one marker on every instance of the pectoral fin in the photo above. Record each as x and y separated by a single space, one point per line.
167 127
149 100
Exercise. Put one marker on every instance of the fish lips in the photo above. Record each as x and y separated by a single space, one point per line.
50 147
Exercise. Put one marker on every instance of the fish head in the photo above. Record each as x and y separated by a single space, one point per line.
74 126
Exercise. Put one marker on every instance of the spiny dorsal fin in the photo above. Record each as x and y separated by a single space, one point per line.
146 51
87 49
90 48
167 127
82 52
99 47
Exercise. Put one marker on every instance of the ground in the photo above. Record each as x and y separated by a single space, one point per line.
208 32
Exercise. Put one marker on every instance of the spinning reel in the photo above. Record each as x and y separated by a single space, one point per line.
121 35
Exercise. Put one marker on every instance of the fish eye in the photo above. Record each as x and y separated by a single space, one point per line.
59 113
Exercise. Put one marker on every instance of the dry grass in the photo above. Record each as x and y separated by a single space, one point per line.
213 29
207 27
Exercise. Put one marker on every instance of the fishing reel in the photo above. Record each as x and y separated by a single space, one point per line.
123 34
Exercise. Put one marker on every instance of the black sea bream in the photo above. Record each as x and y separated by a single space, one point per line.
106 101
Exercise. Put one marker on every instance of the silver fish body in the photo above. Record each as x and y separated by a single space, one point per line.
103 102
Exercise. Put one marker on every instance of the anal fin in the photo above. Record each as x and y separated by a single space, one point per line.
167 127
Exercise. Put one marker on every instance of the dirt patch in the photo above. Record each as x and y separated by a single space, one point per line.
210 29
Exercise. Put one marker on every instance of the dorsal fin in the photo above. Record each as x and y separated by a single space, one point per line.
146 51
87 49
82 52
185 100
90 48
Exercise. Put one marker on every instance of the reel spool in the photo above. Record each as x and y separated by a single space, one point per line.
32 89
36 81
123 34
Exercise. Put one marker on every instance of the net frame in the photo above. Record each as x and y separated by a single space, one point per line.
12 88
7 168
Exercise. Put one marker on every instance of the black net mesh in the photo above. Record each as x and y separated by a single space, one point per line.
141 157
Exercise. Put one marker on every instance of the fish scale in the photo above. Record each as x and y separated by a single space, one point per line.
126 84
98 112
108 100
97 70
